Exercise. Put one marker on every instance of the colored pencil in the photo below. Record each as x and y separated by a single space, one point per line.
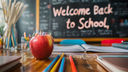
51 64
61 69
73 67
57 64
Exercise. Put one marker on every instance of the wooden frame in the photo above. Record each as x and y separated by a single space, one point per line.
37 15
87 39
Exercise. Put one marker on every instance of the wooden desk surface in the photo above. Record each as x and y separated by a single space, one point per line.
84 62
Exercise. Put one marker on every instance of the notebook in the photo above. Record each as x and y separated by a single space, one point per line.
93 48
68 48
7 62
114 62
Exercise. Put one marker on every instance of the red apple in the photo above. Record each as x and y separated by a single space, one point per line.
41 46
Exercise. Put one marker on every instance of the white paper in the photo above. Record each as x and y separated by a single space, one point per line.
70 48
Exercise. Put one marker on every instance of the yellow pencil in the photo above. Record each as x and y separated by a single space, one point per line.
57 64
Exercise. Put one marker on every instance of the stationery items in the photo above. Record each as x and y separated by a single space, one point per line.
61 69
51 64
57 64
68 48
122 45
72 64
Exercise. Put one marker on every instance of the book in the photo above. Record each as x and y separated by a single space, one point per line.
114 62
125 42
68 48
93 48
7 62
86 48
122 45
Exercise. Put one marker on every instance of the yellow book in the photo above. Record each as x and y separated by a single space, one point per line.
57 64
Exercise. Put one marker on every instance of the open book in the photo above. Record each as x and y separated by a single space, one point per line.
68 48
86 47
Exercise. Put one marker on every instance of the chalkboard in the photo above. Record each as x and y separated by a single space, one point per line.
78 18
27 22
116 20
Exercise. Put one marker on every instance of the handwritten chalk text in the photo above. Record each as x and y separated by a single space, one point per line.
83 22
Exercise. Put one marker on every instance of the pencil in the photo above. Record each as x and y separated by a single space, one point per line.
57 64
61 69
73 67
51 64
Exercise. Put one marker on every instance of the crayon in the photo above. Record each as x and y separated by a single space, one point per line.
57 64
61 69
72 64
51 64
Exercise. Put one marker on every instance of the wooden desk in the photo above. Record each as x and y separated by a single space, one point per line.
84 63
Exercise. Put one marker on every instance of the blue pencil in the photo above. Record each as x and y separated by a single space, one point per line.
61 69
51 64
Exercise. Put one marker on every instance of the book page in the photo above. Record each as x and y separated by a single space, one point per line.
69 48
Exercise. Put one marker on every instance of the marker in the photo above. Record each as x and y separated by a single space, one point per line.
51 64
61 69
57 64
72 64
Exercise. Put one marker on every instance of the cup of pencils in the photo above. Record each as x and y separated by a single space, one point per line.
25 41
12 12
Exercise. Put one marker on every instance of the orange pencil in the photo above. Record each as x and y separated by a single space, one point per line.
72 64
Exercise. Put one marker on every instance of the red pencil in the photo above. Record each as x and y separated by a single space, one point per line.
72 64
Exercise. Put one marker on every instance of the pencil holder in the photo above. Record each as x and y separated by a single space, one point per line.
9 38
12 11
41 46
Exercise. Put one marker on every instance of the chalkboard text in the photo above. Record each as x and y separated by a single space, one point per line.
84 22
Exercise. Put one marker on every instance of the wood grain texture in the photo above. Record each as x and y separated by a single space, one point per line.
37 14
30 64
